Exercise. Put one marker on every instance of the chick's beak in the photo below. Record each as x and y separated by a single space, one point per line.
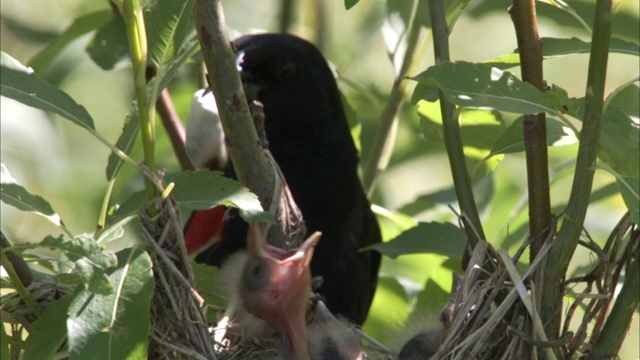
276 285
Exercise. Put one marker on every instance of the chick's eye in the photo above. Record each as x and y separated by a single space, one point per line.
255 274
285 71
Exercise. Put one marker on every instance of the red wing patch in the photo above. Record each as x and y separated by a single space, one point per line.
204 228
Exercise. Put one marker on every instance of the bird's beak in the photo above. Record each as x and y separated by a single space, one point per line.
276 287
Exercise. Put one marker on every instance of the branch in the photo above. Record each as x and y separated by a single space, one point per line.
173 125
451 129
244 147
573 223
255 167
523 15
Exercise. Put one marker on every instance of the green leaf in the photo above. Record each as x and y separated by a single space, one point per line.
512 140
114 326
168 22
205 189
21 84
558 47
479 130
555 47
483 189
48 332
348 4
432 237
630 191
481 87
17 196
619 142
91 260
109 45
80 26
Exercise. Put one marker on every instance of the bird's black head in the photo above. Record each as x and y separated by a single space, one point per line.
292 80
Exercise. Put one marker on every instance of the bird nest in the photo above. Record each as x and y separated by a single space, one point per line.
494 313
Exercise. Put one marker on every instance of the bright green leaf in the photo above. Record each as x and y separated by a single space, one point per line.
438 238
482 87
114 326
21 84
82 25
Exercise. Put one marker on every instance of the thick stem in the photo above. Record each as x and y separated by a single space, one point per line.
523 14
451 129
573 222
244 147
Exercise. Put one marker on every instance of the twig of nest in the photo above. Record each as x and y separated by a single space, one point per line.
179 329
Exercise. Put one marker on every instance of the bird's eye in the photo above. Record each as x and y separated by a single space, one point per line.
285 71
255 274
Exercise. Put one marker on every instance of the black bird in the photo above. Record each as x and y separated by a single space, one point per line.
308 135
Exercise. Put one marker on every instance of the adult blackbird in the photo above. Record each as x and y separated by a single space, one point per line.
308 136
